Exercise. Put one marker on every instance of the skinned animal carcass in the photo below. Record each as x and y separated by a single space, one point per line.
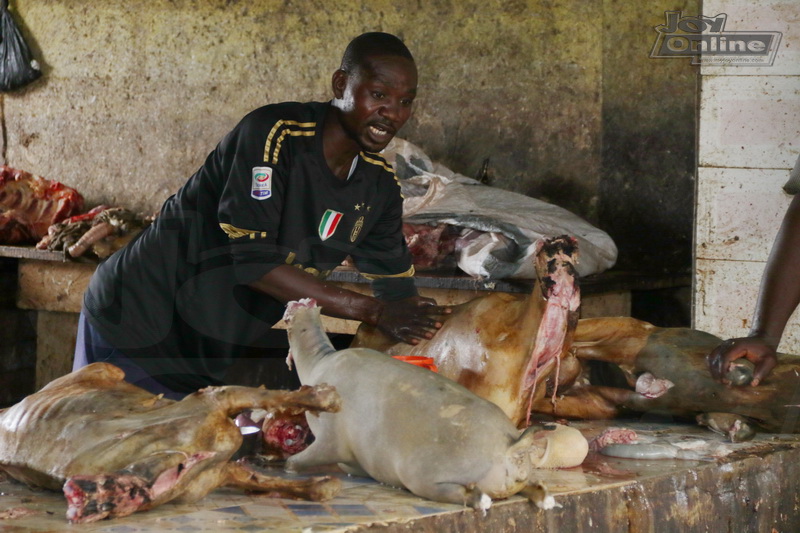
665 371
409 427
501 346
102 231
30 204
115 449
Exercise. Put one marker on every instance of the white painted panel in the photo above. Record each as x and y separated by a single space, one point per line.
765 15
725 298
749 121
739 212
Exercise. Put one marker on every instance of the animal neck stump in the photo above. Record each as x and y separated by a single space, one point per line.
501 346
409 427
115 449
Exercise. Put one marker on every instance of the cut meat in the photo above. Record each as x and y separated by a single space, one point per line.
115 449
613 436
30 204
431 246
285 435
101 231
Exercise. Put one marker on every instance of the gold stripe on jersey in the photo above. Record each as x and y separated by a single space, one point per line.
381 162
375 159
289 127
278 143
237 233
407 274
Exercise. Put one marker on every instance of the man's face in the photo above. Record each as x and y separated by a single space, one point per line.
375 101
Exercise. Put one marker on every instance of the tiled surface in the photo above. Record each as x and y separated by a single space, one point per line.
739 212
749 121
363 502
749 139
725 297
765 15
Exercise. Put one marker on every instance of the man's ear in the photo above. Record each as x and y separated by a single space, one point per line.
338 83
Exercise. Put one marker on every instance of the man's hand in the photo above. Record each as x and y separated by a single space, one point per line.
755 349
412 319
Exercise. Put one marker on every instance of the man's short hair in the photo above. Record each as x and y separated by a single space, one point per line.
372 44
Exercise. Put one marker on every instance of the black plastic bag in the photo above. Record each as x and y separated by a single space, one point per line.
17 67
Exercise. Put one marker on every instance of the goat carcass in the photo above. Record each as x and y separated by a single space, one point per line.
115 449
409 427
30 204
665 371
501 345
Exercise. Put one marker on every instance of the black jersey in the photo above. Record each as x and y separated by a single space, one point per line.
175 299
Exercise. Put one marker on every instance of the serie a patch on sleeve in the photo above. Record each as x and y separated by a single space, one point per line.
261 186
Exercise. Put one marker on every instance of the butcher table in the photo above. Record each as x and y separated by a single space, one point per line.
744 487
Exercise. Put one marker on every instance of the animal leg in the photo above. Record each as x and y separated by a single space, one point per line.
234 399
538 494
617 340
354 469
95 373
735 427
448 492
589 402
319 488
319 453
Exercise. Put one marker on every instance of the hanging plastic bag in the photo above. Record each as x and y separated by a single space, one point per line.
17 67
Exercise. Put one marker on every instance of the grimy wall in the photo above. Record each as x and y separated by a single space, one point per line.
561 96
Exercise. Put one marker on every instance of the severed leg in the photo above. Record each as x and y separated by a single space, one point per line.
234 399
592 402
318 488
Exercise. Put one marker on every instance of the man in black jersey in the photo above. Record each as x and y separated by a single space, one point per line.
290 192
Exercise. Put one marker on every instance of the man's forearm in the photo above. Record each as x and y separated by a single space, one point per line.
286 283
779 294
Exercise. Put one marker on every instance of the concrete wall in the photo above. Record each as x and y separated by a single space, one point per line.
649 123
749 138
135 94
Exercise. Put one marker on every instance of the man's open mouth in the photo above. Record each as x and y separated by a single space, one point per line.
380 132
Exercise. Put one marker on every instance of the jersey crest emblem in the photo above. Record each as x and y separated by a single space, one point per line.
261 186
356 229
328 223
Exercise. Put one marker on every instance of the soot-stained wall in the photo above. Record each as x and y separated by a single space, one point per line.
560 96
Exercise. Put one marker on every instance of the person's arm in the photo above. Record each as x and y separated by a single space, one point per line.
408 320
778 297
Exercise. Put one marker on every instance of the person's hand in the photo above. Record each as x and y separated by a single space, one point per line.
412 319
755 349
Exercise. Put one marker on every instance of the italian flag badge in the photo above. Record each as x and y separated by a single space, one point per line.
328 223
